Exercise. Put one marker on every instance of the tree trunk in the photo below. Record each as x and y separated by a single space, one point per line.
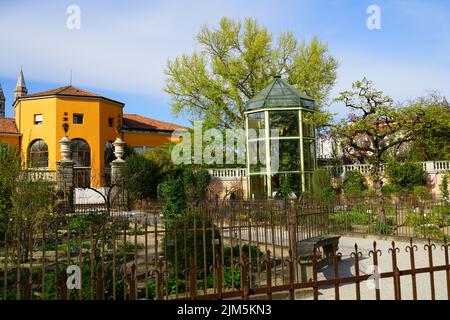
378 186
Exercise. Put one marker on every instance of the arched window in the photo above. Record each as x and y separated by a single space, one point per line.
81 153
38 154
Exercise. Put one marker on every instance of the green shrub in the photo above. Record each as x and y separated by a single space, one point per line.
388 189
182 231
368 193
432 232
382 228
405 176
188 185
195 183
340 222
415 219
141 177
422 192
170 286
231 275
353 183
254 254
285 190
174 197
151 290
444 187
321 183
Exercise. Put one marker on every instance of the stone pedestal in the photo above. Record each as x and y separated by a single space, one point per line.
116 167
65 183
118 194
64 176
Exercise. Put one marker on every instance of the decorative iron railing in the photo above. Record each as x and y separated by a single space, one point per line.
220 250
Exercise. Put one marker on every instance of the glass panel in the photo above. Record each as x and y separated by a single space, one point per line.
257 123
258 187
308 154
308 129
294 184
288 156
78 119
257 156
285 122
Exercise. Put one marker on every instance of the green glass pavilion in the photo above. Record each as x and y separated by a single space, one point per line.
280 143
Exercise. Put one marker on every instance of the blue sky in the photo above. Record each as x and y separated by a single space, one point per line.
121 49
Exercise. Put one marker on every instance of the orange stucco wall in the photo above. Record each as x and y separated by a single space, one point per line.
94 130
148 139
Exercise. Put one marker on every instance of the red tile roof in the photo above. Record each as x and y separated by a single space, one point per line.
134 121
67 91
8 125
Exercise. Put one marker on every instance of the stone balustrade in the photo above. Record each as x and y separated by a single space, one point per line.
430 167
228 174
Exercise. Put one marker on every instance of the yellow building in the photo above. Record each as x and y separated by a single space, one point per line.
91 121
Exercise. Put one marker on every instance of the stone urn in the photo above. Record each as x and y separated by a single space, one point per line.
66 153
119 148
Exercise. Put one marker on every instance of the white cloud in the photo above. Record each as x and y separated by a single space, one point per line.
124 47
118 48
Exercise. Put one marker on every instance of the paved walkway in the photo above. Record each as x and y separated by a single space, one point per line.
346 268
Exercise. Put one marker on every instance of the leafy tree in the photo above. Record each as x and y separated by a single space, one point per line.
196 183
354 183
405 176
141 177
374 127
31 201
432 140
235 62
161 156
10 167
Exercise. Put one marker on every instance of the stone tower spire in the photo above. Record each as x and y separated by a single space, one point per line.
21 88
2 103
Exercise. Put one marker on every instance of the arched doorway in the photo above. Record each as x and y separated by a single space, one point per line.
81 156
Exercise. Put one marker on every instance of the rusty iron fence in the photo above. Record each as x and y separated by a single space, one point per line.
217 250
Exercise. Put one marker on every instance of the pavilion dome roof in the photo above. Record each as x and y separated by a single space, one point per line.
279 94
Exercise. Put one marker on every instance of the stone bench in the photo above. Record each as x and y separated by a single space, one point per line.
324 253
